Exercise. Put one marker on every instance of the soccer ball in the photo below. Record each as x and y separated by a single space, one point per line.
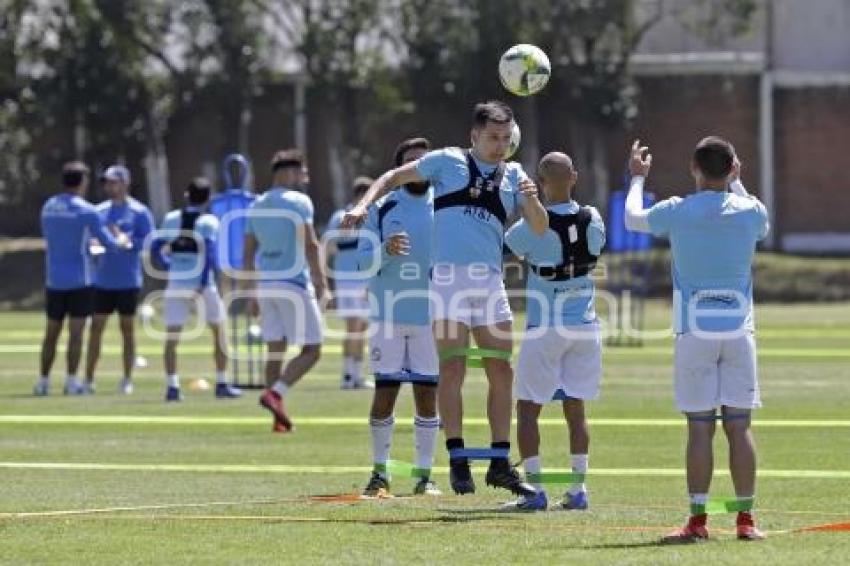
524 69
516 136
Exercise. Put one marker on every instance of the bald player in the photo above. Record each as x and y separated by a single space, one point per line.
561 355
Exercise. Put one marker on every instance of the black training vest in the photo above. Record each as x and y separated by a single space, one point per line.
576 260
184 242
481 192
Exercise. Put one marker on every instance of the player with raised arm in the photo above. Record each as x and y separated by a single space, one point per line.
713 234
561 354
475 193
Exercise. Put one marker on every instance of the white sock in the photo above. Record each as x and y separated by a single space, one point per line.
280 387
578 462
126 378
382 436
532 466
425 431
356 366
43 381
221 377
173 380
346 367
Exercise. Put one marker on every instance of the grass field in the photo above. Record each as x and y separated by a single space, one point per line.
113 479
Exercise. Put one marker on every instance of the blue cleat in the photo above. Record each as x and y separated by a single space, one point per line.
173 395
536 502
574 501
227 391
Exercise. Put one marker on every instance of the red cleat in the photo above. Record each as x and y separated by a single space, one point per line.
693 531
746 527
272 401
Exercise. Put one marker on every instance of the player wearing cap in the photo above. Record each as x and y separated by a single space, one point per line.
118 275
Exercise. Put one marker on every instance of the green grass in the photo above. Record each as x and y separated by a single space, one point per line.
251 487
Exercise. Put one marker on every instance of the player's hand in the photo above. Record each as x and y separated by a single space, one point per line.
528 189
640 160
735 175
354 217
398 244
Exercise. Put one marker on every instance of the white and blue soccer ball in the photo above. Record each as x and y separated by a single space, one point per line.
524 69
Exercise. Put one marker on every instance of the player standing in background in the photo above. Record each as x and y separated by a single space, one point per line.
350 290
118 275
713 235
68 222
401 342
289 280
561 354
190 235
475 192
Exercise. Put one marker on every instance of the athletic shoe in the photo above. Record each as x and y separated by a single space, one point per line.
536 502
746 527
272 402
574 501
460 477
502 474
73 387
125 387
41 389
426 487
348 382
227 391
85 388
376 483
173 395
693 531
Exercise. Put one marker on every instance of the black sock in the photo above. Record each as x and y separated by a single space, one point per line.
454 443
500 446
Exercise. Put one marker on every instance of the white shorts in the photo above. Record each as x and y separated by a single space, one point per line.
395 348
470 294
352 299
179 302
711 372
289 312
567 358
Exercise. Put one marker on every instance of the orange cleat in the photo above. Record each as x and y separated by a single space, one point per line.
746 527
693 531
272 401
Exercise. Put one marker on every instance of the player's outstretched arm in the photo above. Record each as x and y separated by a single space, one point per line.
387 182
640 161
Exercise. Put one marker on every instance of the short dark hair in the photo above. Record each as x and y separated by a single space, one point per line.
407 145
491 111
286 158
714 157
198 191
73 173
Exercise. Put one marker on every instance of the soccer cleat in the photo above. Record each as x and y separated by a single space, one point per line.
746 528
502 474
41 389
536 502
227 391
574 501
125 387
363 384
85 388
376 483
73 387
348 382
426 487
693 531
272 402
173 395
460 477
